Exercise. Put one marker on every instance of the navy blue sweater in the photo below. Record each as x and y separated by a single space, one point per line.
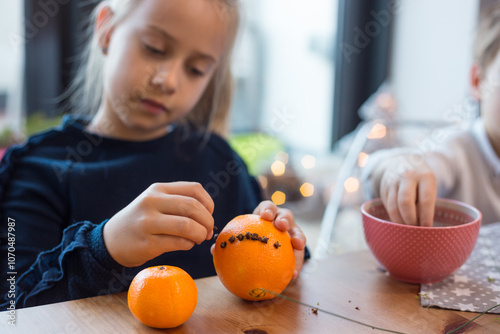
59 189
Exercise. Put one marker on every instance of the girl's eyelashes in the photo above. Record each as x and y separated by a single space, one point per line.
196 72
154 51
194 69
200 68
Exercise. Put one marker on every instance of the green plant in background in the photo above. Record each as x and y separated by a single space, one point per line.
7 137
256 149
34 123
39 122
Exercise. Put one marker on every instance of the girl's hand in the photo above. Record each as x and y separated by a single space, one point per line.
284 221
166 217
408 195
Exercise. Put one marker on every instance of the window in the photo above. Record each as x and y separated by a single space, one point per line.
284 70
11 63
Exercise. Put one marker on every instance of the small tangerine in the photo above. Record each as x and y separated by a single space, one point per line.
162 296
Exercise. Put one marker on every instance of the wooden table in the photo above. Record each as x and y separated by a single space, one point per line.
350 285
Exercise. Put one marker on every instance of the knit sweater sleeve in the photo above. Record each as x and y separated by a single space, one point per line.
54 260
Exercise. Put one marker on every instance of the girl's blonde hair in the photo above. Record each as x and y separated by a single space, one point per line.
210 114
487 40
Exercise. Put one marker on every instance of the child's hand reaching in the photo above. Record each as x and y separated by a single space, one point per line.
166 217
283 219
409 196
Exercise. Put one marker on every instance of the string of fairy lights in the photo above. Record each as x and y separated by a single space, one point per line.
278 169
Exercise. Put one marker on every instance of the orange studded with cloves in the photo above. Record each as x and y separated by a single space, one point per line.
253 258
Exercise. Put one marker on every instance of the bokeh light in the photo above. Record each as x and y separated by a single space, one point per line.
278 168
363 159
351 184
378 131
278 198
308 161
307 189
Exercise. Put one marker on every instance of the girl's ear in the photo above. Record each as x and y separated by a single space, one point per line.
475 81
103 27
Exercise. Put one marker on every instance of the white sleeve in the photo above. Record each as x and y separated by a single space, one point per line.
445 162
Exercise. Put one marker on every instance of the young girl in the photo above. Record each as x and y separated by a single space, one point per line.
93 202
467 166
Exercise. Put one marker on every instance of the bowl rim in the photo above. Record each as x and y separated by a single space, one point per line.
442 200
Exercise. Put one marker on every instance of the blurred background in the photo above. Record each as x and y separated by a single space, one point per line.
308 73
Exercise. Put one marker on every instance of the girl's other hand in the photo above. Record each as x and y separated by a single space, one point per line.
409 195
284 220
166 217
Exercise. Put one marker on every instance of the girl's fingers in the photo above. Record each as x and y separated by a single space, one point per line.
391 205
167 243
284 220
407 198
188 207
298 238
186 199
299 244
266 210
427 195
188 189
299 262
178 226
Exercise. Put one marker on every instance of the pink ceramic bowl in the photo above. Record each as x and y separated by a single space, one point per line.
417 254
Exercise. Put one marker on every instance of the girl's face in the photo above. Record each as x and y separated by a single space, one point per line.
160 58
486 87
